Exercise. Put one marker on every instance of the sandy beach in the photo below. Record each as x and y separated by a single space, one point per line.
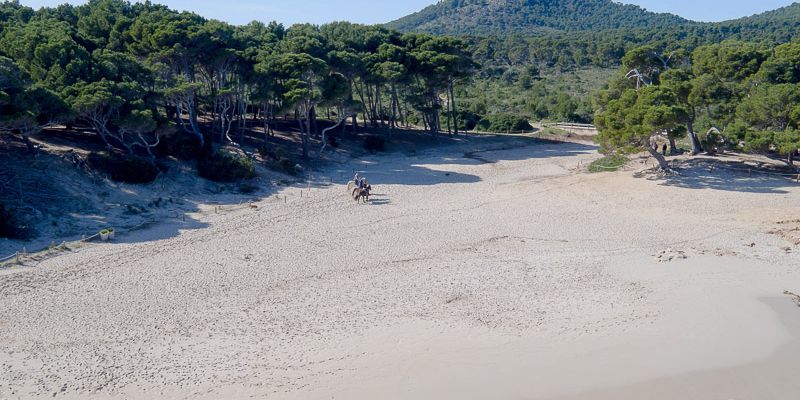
475 272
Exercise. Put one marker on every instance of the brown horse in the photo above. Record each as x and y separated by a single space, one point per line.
359 193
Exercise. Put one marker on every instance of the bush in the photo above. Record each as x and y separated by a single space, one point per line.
280 160
333 142
225 166
247 188
608 163
375 143
467 120
285 165
275 153
182 146
124 168
505 123
10 227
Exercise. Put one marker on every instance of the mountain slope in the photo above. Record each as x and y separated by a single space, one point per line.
777 26
484 17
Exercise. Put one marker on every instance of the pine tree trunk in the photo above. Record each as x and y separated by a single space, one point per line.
697 148
673 147
395 106
662 162
304 136
379 103
193 121
312 121
453 106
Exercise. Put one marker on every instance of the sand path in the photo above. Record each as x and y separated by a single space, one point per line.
504 274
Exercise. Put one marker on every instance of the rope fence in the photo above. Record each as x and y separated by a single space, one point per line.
529 132
569 125
534 134
20 256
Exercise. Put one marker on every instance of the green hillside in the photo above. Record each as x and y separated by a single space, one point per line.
589 17
498 17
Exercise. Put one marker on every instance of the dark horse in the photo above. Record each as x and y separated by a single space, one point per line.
362 193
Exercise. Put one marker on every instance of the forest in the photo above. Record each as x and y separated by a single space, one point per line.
136 73
732 95
150 81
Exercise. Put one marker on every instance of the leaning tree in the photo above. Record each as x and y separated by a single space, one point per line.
634 120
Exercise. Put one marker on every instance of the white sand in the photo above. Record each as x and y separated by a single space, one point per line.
467 280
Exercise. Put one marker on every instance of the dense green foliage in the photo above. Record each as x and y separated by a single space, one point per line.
125 168
749 93
226 166
564 34
548 25
557 96
10 226
374 143
508 123
137 73
151 81
483 17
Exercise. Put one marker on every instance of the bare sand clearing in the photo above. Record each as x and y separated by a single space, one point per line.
505 275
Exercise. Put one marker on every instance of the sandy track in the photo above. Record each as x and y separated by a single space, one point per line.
506 275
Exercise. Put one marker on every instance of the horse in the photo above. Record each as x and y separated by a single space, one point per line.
362 193
351 185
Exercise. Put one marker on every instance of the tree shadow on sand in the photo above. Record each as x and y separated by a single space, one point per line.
726 175
379 200
420 169
169 206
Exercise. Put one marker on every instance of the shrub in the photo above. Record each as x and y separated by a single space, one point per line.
225 166
608 163
285 165
505 123
266 151
467 120
333 142
182 146
124 168
375 143
247 188
275 153
10 226
280 160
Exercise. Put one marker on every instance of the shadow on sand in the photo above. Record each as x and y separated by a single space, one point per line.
164 208
727 175
421 169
